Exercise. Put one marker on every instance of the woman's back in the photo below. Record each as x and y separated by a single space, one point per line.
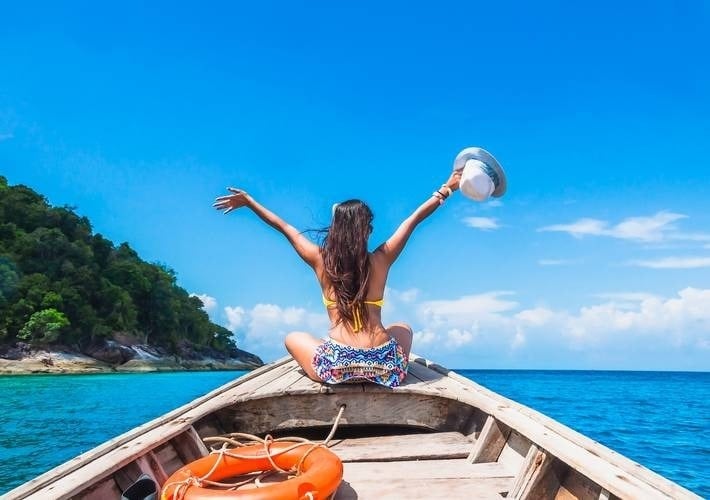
359 333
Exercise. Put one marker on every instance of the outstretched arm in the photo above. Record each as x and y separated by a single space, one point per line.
306 249
391 248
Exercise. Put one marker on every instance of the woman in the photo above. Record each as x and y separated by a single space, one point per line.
352 282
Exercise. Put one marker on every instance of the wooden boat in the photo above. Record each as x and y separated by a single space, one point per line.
439 435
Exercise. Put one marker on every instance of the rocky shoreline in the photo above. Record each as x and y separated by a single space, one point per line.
115 357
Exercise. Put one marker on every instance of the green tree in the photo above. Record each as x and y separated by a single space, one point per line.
60 283
43 327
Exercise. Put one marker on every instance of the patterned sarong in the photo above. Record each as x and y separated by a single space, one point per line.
337 363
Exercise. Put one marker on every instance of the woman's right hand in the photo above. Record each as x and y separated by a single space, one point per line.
239 198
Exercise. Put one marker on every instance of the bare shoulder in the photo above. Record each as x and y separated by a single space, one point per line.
379 268
378 259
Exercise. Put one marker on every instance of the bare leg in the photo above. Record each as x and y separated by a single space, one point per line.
302 347
402 333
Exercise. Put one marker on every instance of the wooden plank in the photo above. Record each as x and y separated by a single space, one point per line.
362 408
255 389
189 446
304 385
423 479
278 383
440 445
209 426
150 465
421 373
576 486
425 469
127 475
101 491
537 478
490 442
398 488
514 451
168 457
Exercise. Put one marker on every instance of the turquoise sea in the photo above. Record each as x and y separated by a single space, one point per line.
659 419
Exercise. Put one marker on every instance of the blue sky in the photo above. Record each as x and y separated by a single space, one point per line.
597 257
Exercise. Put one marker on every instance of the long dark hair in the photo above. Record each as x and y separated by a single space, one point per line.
346 259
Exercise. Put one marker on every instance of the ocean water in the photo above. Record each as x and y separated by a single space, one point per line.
659 419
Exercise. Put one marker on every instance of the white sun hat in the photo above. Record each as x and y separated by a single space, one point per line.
481 176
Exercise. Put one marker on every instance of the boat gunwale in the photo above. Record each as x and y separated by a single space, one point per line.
612 471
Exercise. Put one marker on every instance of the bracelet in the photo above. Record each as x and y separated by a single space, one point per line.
451 191
439 196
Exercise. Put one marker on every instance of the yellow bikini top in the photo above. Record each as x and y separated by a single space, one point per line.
357 320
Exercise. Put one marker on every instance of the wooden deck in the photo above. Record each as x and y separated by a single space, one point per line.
413 466
438 435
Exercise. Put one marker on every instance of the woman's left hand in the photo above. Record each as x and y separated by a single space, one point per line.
239 198
453 181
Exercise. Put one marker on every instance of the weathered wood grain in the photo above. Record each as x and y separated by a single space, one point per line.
513 453
490 442
362 408
438 445
400 488
576 486
537 478
423 479
189 445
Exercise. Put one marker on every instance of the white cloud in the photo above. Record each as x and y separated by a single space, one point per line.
456 338
674 263
556 262
655 228
700 237
580 228
424 337
235 317
627 296
466 310
518 340
492 202
680 317
483 223
404 296
263 328
620 325
209 304
492 329
534 317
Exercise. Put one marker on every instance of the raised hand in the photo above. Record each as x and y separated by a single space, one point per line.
454 180
239 198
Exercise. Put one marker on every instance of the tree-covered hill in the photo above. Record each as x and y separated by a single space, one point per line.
62 284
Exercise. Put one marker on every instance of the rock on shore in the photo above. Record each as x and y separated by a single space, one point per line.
111 356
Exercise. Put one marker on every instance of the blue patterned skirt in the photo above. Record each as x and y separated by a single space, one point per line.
337 363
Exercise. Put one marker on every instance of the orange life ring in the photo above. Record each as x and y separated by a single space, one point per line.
321 474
